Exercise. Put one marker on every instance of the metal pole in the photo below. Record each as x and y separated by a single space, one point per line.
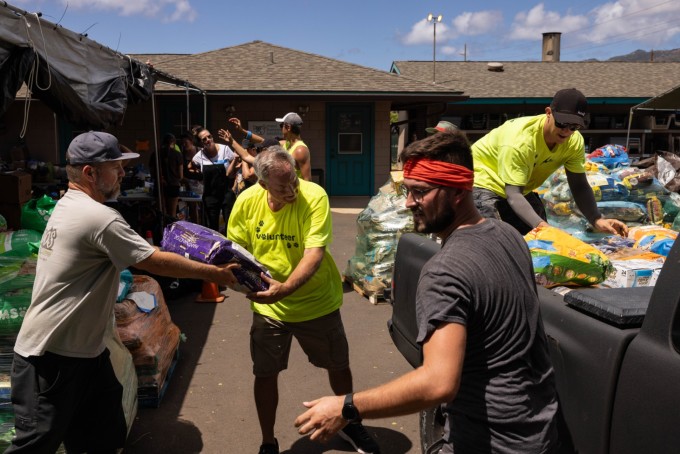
434 53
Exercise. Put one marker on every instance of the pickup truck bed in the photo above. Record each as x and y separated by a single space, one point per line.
614 351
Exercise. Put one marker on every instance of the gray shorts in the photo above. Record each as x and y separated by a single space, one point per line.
323 340
491 205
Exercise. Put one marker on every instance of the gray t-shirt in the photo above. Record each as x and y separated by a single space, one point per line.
483 278
84 248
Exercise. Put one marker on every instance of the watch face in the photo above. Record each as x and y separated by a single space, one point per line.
350 412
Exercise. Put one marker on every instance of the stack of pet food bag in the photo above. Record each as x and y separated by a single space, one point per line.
379 227
17 273
145 328
643 195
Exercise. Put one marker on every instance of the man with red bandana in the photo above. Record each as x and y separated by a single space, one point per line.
518 156
485 354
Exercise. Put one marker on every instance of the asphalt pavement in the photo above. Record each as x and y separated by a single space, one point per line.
208 406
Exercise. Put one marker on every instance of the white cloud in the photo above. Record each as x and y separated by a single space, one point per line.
422 32
649 22
449 50
477 23
531 25
165 10
464 24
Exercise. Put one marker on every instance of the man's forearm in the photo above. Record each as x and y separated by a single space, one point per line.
583 196
172 265
521 207
305 269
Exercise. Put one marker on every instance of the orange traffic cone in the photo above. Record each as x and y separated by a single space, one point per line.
210 293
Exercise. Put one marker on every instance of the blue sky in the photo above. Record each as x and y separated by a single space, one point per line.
373 32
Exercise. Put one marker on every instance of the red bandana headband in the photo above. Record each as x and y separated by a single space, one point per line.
439 173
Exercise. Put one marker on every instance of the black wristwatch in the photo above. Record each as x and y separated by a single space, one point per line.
349 411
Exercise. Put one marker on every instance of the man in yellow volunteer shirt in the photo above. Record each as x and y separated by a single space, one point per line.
285 222
518 156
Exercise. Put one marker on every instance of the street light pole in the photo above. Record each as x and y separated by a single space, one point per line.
434 20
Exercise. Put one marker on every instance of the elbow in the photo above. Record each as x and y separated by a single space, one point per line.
444 392
440 388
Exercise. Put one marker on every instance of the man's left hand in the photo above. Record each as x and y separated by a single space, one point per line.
323 419
611 226
226 136
273 294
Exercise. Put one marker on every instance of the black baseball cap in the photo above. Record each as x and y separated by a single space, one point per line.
569 106
93 147
268 142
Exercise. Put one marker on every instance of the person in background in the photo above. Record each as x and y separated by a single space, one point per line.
485 355
245 175
64 388
189 150
442 126
172 173
286 224
517 157
213 160
192 172
291 125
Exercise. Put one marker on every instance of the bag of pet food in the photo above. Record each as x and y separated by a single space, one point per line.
200 243
561 259
653 238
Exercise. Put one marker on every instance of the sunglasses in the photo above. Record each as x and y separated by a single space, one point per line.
206 138
569 126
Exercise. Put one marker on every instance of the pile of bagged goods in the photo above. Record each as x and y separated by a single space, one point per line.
379 227
645 195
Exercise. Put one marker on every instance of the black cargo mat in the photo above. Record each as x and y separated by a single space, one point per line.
620 306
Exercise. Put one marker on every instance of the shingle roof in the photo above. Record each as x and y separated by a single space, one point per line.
262 67
543 79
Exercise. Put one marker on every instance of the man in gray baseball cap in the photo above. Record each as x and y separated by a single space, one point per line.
291 125
61 346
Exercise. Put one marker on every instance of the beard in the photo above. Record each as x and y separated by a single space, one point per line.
437 224
108 191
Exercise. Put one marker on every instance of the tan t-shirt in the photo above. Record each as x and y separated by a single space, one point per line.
84 248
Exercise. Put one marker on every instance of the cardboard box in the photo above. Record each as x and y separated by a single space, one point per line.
16 187
12 214
634 273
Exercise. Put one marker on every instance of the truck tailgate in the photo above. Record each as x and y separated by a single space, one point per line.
413 251
587 354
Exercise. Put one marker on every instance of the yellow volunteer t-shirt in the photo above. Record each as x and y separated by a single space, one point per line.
515 153
278 241
290 147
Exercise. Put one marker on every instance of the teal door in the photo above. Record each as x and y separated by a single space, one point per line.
350 149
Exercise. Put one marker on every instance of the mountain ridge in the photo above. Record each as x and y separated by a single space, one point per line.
648 56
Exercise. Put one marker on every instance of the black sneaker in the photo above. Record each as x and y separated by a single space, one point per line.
355 433
269 448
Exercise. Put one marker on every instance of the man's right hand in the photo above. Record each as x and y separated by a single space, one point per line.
224 275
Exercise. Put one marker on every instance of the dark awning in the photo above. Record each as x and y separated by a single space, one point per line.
88 84
669 100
